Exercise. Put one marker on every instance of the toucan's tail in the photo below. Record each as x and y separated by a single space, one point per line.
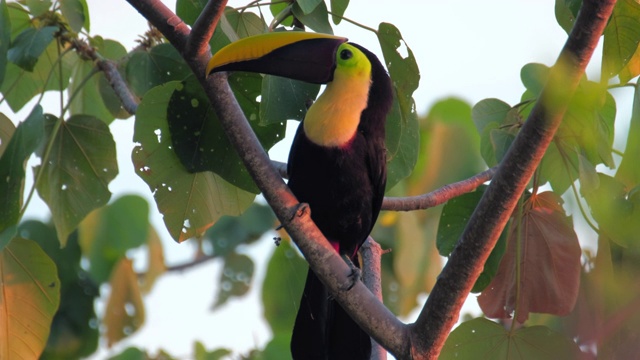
323 330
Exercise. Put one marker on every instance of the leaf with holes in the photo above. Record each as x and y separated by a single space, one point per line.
19 147
484 339
75 179
124 313
146 69
29 298
189 202
540 271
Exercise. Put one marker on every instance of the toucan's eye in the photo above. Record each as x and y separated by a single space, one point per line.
346 54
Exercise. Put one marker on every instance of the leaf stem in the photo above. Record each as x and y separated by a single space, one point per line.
353 22
84 81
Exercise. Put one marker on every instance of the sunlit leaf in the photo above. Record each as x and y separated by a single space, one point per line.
282 288
107 233
317 20
621 36
20 86
190 203
198 138
80 167
29 45
155 264
544 239
285 99
19 147
147 69
483 339
125 312
77 14
235 279
74 331
29 298
338 7
5 37
628 170
455 217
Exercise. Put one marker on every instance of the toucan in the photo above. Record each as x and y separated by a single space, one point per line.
337 163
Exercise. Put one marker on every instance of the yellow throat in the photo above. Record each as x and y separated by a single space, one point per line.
333 119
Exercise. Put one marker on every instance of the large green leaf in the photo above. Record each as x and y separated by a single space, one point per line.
20 86
455 217
621 37
307 6
19 18
559 166
21 145
107 233
86 82
402 124
198 137
483 339
29 45
80 166
338 7
189 202
29 298
489 111
282 288
285 99
317 20
147 69
77 14
73 331
5 37
243 24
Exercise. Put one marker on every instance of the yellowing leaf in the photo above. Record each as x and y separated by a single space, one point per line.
540 271
125 309
156 263
29 297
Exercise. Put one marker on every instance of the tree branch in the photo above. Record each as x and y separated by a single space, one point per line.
466 262
439 196
203 28
371 253
363 306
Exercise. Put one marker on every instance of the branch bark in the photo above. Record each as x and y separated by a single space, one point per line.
466 262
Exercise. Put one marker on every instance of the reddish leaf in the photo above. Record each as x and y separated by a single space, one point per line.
548 277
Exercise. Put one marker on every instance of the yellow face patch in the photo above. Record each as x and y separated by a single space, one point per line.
333 119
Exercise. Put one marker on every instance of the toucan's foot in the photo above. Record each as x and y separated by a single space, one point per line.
353 277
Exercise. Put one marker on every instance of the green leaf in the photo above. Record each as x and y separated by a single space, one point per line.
621 37
501 141
559 166
198 137
5 37
190 203
402 141
88 100
161 64
77 14
29 298
483 339
20 86
282 11
19 18
489 111
201 353
131 353
566 12
111 100
107 233
244 23
307 6
588 176
285 99
29 45
189 10
317 20
235 279
25 140
286 274
73 331
534 77
231 231
629 171
338 7
38 7
453 220
81 164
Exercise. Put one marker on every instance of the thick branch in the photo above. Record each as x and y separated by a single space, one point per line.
371 253
359 302
203 29
442 309
439 196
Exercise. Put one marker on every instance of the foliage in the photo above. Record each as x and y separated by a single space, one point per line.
205 194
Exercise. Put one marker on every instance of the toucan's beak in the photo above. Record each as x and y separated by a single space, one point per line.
304 56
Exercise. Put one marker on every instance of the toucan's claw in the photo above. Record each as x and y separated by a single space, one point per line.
353 277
